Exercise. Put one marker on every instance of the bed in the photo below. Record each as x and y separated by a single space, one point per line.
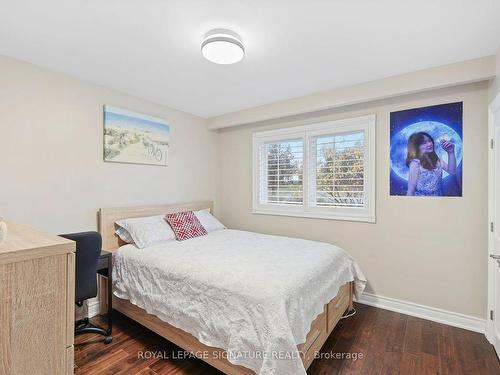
246 303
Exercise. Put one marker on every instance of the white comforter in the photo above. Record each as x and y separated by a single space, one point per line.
251 294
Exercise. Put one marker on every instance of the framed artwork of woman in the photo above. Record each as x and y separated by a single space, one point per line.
427 151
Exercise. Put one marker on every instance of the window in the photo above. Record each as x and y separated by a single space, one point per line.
324 170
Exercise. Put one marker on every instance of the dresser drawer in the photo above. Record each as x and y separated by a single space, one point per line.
31 292
337 306
323 325
315 339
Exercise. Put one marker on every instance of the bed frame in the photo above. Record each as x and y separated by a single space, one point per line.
321 327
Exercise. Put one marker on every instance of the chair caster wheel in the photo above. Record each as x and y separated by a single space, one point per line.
108 339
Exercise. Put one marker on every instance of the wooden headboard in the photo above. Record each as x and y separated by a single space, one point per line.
108 216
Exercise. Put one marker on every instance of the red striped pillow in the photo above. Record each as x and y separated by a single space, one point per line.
185 225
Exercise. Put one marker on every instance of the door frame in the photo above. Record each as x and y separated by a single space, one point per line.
492 263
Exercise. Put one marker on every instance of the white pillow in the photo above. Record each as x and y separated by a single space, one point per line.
124 235
148 231
209 222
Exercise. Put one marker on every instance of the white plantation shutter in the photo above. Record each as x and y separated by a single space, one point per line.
321 170
337 173
280 170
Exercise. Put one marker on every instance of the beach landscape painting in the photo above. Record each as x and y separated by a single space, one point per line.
131 137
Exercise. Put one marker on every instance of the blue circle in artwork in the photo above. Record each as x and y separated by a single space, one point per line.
437 130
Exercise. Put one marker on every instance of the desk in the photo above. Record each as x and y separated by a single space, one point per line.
104 268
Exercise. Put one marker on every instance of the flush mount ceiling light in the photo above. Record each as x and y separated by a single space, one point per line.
222 46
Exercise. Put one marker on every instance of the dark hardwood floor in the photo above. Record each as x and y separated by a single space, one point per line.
384 342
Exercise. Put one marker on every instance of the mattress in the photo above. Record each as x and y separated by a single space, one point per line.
251 294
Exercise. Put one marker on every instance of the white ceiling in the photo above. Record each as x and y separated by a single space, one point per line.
151 48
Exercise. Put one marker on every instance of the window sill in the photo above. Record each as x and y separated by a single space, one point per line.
316 215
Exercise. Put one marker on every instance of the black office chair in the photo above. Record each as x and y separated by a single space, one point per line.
88 250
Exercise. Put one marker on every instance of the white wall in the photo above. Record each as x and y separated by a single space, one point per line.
495 84
430 251
51 170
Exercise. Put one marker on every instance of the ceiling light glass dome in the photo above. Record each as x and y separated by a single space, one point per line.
222 46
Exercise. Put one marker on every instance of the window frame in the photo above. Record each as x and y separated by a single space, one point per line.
307 134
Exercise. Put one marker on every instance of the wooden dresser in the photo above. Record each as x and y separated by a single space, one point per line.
37 277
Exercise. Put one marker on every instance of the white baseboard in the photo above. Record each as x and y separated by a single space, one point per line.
93 308
425 312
